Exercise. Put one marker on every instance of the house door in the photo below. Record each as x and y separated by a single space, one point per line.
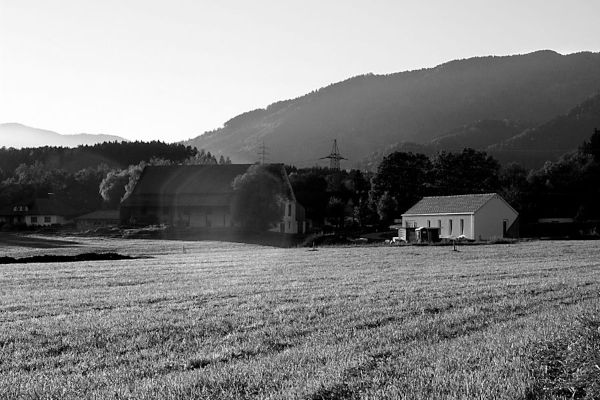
504 227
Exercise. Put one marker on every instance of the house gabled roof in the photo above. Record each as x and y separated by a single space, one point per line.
466 203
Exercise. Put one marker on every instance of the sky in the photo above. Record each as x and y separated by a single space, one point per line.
172 69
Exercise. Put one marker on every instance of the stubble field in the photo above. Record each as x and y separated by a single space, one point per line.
227 321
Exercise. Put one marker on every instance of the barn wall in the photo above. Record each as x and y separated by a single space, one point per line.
489 219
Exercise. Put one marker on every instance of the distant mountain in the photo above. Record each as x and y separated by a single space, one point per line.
19 136
510 141
371 112
552 139
479 135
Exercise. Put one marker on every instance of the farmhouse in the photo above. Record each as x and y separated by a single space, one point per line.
200 196
40 212
472 216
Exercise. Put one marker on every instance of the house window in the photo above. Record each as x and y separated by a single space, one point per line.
428 223
34 220
450 226
440 224
462 226
289 210
47 219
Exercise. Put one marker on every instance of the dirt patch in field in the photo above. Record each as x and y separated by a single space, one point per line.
75 258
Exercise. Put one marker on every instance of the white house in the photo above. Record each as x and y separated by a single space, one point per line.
473 216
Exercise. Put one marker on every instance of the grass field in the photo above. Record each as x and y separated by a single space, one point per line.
227 321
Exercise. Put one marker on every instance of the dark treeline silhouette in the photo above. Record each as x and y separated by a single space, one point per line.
332 196
113 154
568 188
86 178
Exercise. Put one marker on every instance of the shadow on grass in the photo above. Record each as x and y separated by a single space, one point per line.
62 259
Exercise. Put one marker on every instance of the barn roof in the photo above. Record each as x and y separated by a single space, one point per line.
188 179
466 203
196 184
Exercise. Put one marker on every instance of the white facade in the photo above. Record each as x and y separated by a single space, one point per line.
289 223
494 219
44 220
490 220
451 225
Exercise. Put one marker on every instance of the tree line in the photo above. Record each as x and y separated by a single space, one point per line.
86 178
354 199
566 188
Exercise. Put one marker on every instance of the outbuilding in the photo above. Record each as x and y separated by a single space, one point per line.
470 216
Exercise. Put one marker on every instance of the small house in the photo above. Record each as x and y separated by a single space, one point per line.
37 213
470 216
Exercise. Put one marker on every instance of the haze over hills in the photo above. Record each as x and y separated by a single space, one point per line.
552 139
19 136
510 141
372 112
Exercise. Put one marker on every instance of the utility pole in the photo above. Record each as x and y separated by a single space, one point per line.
334 157
262 153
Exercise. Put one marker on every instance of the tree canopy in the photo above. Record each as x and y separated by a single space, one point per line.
258 198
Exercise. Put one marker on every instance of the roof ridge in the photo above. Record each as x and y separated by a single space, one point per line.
463 203
461 195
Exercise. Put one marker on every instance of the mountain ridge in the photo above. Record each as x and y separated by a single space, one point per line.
17 135
369 112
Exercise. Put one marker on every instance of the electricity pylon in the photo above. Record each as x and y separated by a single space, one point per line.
334 157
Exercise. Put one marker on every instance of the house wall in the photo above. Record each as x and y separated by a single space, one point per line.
489 219
44 220
289 223
443 221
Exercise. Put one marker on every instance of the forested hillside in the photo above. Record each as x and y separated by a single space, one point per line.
371 112
550 140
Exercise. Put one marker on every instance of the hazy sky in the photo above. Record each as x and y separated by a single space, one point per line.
172 69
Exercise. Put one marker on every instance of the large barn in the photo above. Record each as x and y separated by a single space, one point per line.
200 196
472 216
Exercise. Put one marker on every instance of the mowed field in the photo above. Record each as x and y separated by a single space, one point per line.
209 320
